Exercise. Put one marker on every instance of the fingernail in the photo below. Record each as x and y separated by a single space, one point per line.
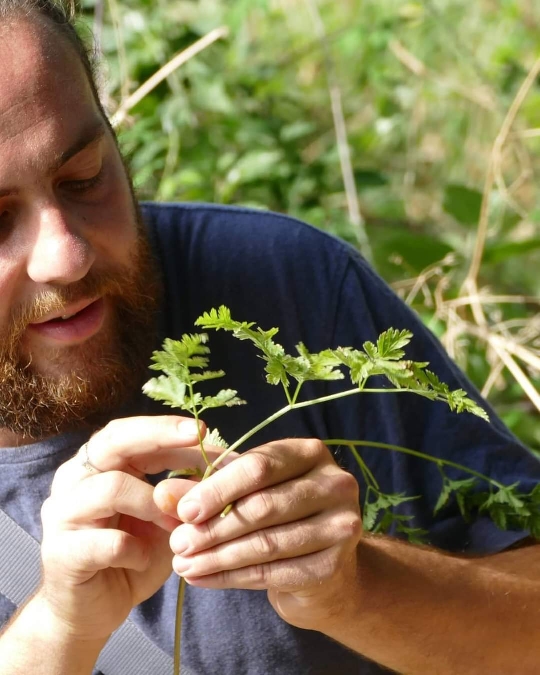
188 429
188 510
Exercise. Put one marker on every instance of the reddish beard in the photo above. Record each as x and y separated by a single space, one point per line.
84 383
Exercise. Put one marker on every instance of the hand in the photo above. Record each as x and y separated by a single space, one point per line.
105 543
293 530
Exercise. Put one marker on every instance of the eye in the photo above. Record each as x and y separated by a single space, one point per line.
84 185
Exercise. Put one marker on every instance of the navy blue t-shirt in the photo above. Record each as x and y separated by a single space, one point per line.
277 271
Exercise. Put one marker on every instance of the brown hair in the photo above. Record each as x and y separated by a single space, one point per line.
62 15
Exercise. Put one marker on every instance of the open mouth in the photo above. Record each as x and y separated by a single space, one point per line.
72 328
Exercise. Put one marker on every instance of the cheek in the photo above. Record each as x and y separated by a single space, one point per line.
114 231
11 292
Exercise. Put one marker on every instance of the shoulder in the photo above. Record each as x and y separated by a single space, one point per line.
265 266
239 231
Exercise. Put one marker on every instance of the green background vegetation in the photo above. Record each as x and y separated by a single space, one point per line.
425 89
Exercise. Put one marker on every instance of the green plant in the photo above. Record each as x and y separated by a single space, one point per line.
184 365
251 120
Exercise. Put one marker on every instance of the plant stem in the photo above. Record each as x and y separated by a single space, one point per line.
196 416
296 393
414 453
368 476
288 396
296 406
178 625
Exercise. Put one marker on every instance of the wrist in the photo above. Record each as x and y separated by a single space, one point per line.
43 624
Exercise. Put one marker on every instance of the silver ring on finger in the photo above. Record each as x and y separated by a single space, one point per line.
86 463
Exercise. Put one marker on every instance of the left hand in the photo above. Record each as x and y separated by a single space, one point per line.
293 530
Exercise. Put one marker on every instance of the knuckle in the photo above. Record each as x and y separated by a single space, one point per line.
259 575
259 506
264 544
117 484
348 526
213 492
316 448
345 485
111 431
118 545
257 468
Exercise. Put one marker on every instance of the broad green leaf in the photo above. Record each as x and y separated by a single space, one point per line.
463 203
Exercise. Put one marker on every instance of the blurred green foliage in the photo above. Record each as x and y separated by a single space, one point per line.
425 87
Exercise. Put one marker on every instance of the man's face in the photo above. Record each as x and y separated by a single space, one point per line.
76 290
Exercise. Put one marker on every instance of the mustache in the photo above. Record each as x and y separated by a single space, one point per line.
53 300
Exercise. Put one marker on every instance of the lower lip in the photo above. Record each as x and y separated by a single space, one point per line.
80 327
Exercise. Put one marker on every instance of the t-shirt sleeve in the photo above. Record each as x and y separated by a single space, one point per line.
365 307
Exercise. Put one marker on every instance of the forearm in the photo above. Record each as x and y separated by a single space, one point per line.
35 644
418 611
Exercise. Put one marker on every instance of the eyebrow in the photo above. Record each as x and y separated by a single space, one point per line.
89 136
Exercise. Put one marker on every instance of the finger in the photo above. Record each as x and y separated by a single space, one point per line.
290 575
168 493
319 490
293 540
262 467
103 496
89 551
162 446
147 444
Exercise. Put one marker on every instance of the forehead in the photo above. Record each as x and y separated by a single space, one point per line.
45 95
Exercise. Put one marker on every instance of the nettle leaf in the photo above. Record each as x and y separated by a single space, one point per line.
322 365
225 397
175 388
220 319
390 343
359 364
178 356
280 366
168 390
276 371
214 438
457 487
383 503
207 375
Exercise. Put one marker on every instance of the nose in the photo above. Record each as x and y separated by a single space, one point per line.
60 254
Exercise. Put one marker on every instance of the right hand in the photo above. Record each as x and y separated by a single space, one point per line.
105 542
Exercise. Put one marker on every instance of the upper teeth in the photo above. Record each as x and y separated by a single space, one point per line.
67 316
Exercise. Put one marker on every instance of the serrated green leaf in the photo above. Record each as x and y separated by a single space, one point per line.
214 438
390 343
459 487
225 397
167 390
207 375
383 503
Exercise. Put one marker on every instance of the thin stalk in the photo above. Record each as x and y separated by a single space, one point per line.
178 625
414 453
296 393
305 404
368 475
287 395
196 416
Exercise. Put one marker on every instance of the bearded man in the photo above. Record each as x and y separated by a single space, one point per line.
89 284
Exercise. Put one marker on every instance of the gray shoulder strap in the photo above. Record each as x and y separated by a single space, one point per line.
128 651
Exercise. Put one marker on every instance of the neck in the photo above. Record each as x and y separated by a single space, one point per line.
8 439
